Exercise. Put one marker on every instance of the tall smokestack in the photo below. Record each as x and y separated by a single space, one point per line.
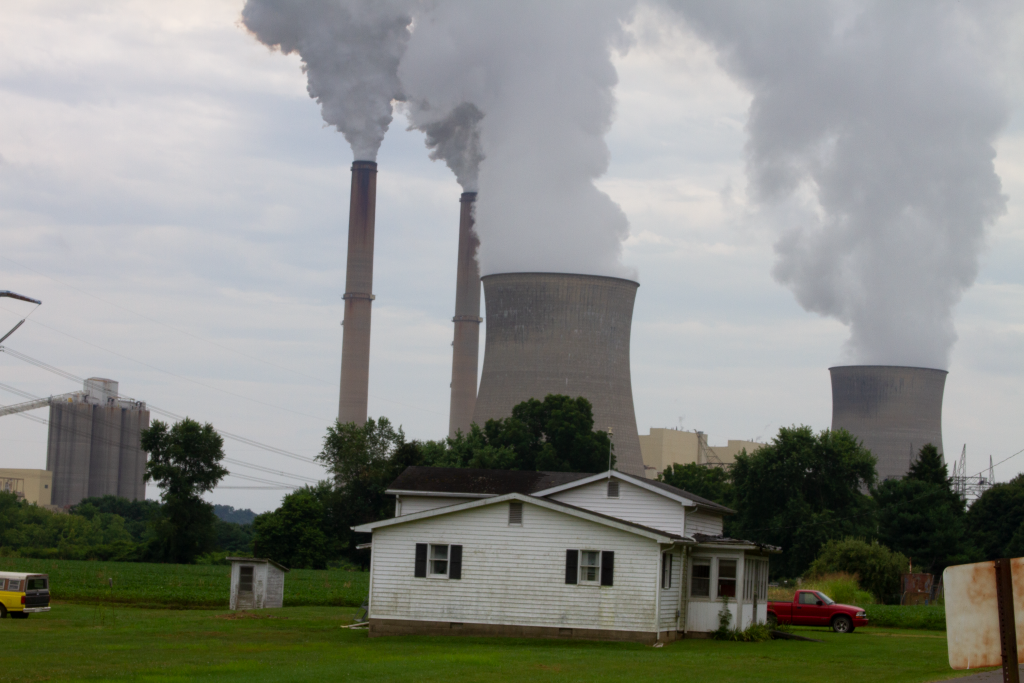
557 333
355 344
894 410
466 347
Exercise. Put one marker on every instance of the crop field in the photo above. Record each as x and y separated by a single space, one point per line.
180 585
82 641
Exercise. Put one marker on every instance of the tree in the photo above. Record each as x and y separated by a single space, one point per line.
556 434
713 483
922 517
877 567
995 518
184 461
294 534
801 490
363 461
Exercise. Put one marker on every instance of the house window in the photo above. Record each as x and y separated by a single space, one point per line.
590 566
515 514
666 570
613 489
439 560
700 582
727 578
245 579
755 580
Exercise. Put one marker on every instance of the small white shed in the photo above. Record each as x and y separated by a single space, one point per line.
256 583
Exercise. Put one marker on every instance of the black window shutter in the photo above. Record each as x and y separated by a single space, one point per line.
607 567
421 561
572 566
455 562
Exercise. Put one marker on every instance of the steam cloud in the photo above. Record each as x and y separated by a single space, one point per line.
455 138
350 52
871 132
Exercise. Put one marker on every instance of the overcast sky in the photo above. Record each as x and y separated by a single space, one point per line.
170 192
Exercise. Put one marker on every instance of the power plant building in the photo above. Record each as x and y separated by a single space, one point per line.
893 410
663 448
560 333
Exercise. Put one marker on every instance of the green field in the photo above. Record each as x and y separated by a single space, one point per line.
179 585
77 641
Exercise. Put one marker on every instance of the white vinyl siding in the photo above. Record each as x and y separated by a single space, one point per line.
634 504
414 504
515 575
702 522
669 602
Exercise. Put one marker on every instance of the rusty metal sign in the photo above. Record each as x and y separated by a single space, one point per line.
973 632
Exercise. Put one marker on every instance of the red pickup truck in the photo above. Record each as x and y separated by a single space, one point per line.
814 608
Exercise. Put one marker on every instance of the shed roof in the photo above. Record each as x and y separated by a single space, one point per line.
263 560
705 539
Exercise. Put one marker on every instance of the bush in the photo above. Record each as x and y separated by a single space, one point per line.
876 567
931 617
755 633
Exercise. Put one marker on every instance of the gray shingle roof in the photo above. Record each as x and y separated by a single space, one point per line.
479 481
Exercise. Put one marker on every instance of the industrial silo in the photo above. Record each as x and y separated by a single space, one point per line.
894 410
94 446
559 333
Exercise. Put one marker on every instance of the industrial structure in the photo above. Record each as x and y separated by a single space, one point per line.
893 410
94 446
355 344
466 345
31 486
559 333
663 448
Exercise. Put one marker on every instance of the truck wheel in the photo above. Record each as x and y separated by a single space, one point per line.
842 624
19 615
3 612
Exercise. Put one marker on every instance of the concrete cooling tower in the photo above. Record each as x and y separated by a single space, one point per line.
556 333
894 410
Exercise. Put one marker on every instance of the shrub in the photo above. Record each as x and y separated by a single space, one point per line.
755 633
876 567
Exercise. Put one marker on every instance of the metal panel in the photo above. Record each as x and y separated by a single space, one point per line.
69 450
105 450
557 333
972 613
894 410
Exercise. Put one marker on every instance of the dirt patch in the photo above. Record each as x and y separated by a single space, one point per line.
232 616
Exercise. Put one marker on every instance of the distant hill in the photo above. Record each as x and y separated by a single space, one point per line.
229 514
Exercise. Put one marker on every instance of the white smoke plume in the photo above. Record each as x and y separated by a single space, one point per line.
350 51
871 134
454 137
541 76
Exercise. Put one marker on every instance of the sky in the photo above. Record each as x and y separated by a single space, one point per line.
171 193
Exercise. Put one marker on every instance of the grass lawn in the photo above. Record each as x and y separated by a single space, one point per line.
78 641
183 585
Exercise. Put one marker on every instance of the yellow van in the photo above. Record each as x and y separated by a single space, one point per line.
22 594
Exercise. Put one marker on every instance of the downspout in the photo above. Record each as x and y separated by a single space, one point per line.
657 596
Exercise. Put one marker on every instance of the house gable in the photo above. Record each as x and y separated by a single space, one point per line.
630 502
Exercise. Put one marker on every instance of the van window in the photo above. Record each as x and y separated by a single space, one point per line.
13 585
245 579
35 585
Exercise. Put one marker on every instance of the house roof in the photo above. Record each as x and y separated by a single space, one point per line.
480 483
705 539
472 481
607 520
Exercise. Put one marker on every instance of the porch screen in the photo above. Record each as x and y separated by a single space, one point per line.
755 580
700 582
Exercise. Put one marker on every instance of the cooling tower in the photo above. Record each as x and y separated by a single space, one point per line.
94 446
894 410
466 346
355 344
555 333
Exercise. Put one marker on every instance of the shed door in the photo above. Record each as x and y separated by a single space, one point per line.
245 593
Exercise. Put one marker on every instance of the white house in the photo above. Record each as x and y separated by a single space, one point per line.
605 556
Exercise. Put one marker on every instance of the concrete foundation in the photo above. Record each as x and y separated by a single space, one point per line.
557 333
407 627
